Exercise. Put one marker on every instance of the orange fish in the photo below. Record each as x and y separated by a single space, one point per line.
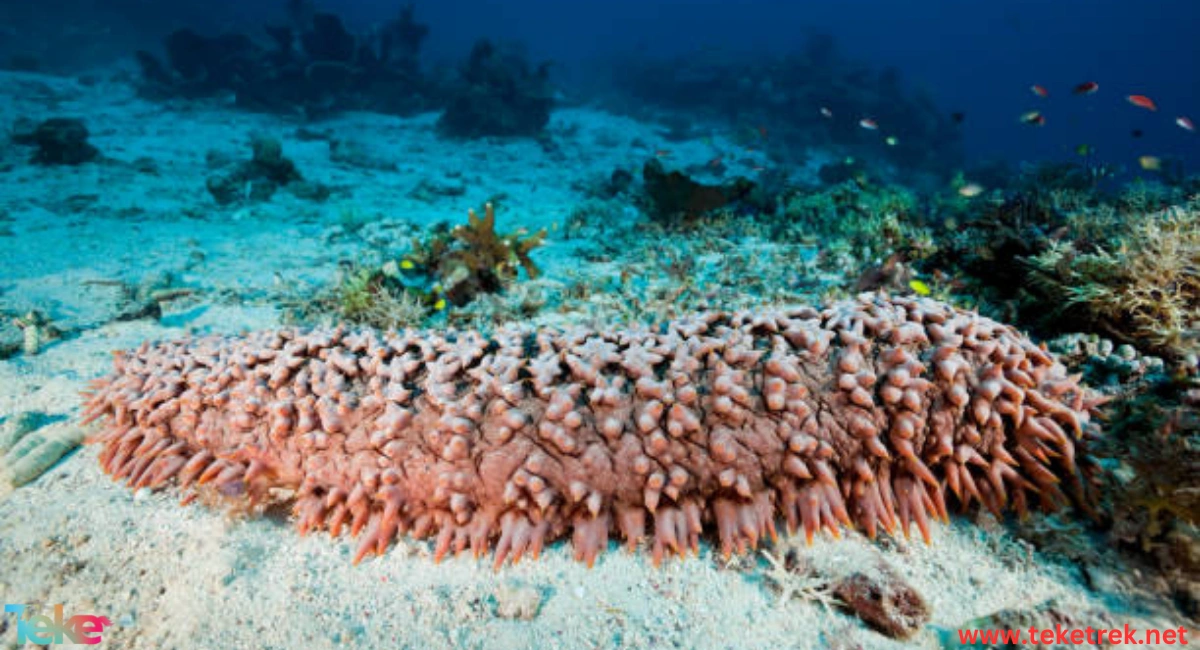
826 113
1034 117
1040 91
868 124
1142 101
1086 88
1185 124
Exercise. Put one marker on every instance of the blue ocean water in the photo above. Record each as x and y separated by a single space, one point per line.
977 58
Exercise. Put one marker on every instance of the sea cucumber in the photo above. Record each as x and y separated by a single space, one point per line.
871 412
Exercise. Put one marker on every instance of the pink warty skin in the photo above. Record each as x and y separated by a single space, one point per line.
873 413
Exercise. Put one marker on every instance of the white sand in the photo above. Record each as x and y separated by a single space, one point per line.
173 577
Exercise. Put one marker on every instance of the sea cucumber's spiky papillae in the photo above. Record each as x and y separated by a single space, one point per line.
870 413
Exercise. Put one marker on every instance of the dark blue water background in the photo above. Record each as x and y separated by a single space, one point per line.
974 56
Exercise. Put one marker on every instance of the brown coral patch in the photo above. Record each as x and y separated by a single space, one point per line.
871 413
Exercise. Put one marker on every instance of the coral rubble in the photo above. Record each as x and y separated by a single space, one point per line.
872 412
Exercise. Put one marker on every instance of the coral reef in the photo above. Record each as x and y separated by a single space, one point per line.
59 141
873 412
873 221
497 95
314 65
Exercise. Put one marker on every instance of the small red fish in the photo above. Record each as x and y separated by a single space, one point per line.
715 162
1040 91
1185 124
826 113
762 132
661 153
1034 117
868 124
1086 88
1142 101
757 168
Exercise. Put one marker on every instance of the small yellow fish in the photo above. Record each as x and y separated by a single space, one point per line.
1150 163
440 304
407 265
970 190
921 288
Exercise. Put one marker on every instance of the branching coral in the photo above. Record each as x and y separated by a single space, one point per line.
475 259
865 413
1146 292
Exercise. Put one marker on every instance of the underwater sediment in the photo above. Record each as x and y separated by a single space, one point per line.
873 412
